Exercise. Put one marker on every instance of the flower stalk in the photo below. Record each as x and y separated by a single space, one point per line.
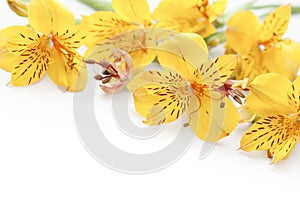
97 4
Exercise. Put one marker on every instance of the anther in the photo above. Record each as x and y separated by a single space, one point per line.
98 77
185 125
106 79
239 93
237 99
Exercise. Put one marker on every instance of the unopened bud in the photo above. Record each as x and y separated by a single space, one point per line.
19 7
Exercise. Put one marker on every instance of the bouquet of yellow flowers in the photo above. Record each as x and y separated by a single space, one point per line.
257 73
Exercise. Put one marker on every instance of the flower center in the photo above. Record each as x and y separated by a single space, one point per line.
199 89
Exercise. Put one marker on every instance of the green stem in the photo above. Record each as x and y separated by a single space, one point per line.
97 4
295 10
215 39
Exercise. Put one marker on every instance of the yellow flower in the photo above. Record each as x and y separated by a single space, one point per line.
260 46
197 16
276 99
49 46
124 30
163 96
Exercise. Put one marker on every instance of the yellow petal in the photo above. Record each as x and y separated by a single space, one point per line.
49 16
69 39
266 133
209 74
216 9
145 78
210 120
276 23
183 17
283 58
17 38
160 96
138 43
132 10
68 72
294 94
183 53
269 95
142 59
225 65
163 11
31 56
102 26
6 58
205 29
198 39
189 23
284 149
239 35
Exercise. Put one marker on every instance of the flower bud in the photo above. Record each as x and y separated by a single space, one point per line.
19 7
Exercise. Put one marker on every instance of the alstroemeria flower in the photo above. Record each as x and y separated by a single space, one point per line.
276 99
260 46
163 96
197 16
137 47
49 45
129 15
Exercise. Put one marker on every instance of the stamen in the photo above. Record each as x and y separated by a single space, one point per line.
237 99
241 83
89 61
222 105
98 77
239 93
185 125
106 79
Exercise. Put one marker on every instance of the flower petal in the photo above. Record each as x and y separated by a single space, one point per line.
269 95
184 17
225 65
283 58
284 149
142 59
6 57
239 35
102 26
183 53
160 96
28 54
132 10
266 133
49 16
68 71
294 94
276 23
216 9
209 120
167 9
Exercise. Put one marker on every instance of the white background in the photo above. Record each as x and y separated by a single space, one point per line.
41 155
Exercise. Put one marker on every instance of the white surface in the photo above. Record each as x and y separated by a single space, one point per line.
41 156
